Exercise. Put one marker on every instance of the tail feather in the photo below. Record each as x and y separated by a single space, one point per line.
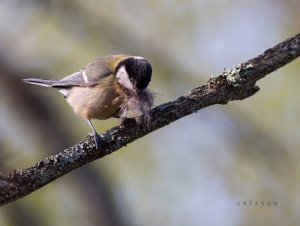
39 82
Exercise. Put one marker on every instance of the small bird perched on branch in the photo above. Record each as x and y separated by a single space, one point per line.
112 86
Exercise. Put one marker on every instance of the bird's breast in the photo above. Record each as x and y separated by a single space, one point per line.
98 102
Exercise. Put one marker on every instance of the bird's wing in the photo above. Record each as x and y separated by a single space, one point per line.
94 72
75 79
90 75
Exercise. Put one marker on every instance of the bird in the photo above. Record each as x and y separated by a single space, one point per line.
110 86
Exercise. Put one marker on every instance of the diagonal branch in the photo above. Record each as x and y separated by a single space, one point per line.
234 84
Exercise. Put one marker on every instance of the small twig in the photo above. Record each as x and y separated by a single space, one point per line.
234 84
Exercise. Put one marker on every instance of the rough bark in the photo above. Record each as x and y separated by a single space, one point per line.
237 83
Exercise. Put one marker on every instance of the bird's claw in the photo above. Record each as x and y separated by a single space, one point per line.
99 143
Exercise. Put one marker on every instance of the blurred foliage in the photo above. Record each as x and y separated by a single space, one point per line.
192 172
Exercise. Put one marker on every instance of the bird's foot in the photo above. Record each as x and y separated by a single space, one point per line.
98 141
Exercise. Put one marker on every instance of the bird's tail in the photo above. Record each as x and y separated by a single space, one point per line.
39 82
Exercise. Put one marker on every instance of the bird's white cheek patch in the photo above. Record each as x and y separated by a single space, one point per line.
123 78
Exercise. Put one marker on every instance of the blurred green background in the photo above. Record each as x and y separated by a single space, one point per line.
192 172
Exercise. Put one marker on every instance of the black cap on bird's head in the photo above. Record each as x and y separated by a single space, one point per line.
139 71
135 69
133 73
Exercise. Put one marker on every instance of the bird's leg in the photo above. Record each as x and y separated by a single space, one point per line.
98 141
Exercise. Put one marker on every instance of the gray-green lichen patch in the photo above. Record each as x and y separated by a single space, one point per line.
213 81
236 76
248 66
3 184
233 76
110 135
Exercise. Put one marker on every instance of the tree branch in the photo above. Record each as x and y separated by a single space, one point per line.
234 84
